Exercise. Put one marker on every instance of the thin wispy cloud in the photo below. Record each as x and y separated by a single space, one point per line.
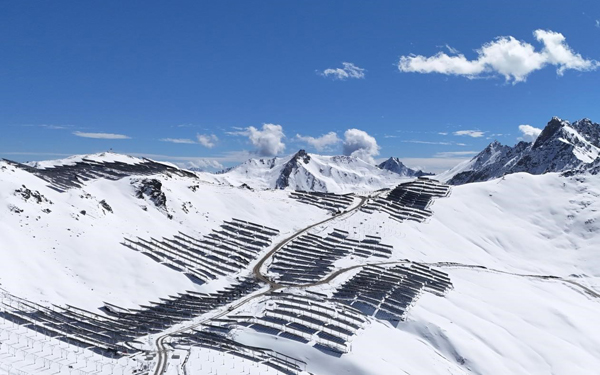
453 154
598 24
47 126
441 143
452 50
470 133
321 143
178 140
504 56
101 135
348 71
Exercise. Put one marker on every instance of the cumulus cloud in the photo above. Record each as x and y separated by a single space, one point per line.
266 142
207 140
178 140
505 56
100 135
348 71
360 144
320 143
470 133
528 133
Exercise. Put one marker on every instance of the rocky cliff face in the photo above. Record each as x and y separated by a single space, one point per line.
561 147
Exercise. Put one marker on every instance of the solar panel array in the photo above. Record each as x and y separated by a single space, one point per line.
307 319
64 177
409 201
388 292
310 257
327 201
224 251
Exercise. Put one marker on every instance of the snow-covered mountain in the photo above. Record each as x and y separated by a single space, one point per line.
310 172
562 146
394 164
107 251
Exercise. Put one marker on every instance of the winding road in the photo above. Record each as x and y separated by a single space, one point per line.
161 341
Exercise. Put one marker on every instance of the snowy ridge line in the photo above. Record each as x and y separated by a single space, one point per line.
69 176
409 201
219 253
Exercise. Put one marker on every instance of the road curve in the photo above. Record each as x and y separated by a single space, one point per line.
163 354
261 262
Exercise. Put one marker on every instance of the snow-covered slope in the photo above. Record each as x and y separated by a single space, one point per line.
394 164
560 147
65 247
310 172
520 253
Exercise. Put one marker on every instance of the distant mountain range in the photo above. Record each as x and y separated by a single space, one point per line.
561 147
310 172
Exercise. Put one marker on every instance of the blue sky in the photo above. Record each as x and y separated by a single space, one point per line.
196 82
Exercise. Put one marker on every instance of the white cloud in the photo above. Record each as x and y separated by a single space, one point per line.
505 56
470 133
100 135
528 133
348 71
266 142
207 140
178 140
598 24
443 133
360 144
320 143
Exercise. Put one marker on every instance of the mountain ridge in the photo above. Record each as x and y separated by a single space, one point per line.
560 147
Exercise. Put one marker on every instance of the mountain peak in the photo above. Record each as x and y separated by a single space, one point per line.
550 131
560 147
393 164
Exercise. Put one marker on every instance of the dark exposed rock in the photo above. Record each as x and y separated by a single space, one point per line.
106 206
27 194
151 189
290 167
